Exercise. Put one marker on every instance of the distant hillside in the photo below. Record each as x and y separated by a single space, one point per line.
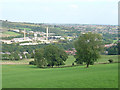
7 25
108 31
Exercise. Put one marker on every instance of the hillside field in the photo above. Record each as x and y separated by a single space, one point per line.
69 61
28 76
102 59
9 33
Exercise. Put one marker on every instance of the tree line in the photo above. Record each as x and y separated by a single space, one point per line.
18 50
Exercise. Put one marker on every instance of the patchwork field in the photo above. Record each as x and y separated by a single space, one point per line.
28 76
9 33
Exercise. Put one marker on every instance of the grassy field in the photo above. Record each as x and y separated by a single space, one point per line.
105 58
69 61
27 29
9 33
24 61
114 41
102 59
28 76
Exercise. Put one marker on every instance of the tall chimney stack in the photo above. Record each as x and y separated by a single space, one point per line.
47 33
24 34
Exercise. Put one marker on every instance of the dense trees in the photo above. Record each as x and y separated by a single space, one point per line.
20 49
50 56
12 56
88 47
114 50
108 38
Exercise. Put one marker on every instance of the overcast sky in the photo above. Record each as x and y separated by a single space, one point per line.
60 11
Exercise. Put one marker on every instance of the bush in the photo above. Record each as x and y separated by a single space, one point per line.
110 61
32 63
72 64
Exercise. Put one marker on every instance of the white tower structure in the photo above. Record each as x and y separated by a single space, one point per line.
35 36
24 34
47 33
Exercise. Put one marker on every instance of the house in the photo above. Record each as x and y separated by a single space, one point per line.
25 53
69 52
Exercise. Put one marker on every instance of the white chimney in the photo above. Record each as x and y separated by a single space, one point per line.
47 33
24 34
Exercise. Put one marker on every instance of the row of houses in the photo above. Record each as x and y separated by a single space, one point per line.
71 52
10 53
109 45
5 55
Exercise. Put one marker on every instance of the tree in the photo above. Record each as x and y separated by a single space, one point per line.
32 55
5 57
50 55
23 56
113 50
55 56
88 47
28 56
11 57
16 56
40 61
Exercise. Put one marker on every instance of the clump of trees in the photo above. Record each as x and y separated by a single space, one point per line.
12 56
50 56
15 56
88 47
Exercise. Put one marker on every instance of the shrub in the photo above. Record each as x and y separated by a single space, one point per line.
32 63
72 64
110 61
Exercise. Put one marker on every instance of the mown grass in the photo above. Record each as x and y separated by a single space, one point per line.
28 76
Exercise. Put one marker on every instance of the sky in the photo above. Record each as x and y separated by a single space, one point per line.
60 11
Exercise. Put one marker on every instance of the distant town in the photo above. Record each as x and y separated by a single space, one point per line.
46 37
63 35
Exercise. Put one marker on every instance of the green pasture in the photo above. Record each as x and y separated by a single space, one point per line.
69 61
105 58
114 41
9 33
28 29
24 61
102 59
28 76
